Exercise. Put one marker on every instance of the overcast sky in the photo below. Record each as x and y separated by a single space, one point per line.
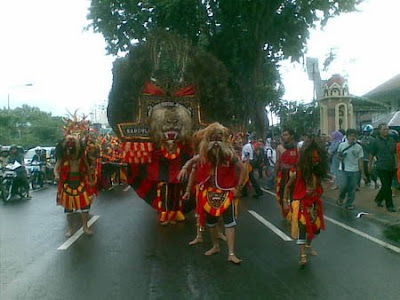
43 43
367 45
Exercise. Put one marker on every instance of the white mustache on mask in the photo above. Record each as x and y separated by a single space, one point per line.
212 144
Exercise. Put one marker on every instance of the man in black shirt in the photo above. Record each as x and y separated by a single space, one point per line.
384 149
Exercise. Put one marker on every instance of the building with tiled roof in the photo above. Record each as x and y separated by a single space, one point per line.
388 94
341 110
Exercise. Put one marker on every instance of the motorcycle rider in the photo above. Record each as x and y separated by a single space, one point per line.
40 158
21 172
51 162
38 155
4 156
1 156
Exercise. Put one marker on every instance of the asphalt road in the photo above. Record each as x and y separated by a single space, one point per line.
132 257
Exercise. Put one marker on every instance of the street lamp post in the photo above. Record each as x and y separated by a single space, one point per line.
8 109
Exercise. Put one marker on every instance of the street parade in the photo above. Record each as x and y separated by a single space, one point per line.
203 172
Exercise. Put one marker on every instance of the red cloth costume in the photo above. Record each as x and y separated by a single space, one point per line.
155 178
215 188
309 211
289 159
73 191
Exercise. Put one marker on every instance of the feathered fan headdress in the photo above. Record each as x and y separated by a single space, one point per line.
75 125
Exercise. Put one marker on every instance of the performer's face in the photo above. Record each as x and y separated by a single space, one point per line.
384 131
71 146
215 140
287 137
352 138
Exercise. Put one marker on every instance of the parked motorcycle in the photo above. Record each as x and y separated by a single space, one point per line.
36 174
11 184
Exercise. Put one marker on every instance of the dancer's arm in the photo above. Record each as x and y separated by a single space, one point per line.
288 185
184 171
56 171
192 175
278 152
242 176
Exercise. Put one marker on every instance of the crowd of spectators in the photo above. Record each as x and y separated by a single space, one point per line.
366 159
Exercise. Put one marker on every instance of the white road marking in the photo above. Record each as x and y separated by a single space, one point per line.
77 234
364 235
276 230
127 188
269 192
351 229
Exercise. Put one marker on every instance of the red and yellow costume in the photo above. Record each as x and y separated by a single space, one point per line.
153 175
73 188
215 194
288 163
308 216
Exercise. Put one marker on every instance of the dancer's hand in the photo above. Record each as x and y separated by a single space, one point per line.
364 178
183 174
236 192
370 169
186 195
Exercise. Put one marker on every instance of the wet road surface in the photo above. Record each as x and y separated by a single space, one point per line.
132 257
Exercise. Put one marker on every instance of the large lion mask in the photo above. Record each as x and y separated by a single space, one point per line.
170 125
215 145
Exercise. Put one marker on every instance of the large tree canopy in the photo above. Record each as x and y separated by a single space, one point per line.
249 37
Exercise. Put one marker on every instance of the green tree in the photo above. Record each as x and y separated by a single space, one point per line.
249 37
29 127
301 117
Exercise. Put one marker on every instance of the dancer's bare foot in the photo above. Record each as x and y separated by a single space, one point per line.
69 233
213 250
303 260
165 223
221 236
87 231
285 207
197 240
311 251
234 259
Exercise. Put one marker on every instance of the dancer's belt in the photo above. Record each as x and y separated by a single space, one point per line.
287 166
215 201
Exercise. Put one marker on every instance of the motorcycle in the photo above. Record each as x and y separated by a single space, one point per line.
50 170
36 173
10 185
1 179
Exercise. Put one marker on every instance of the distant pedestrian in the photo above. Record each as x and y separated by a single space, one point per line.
337 138
270 161
248 158
384 149
366 141
350 155
259 156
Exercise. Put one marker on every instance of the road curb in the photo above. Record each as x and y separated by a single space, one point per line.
380 218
